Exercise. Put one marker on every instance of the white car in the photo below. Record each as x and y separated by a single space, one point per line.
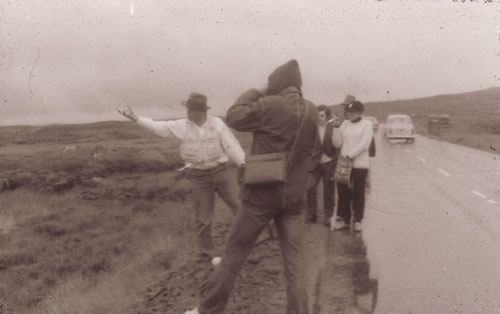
374 122
399 126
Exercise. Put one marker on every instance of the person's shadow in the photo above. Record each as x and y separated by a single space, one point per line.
346 286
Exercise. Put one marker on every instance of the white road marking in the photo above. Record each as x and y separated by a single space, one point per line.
479 194
492 202
421 159
131 9
444 172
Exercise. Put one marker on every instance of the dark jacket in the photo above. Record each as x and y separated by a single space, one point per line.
274 120
326 148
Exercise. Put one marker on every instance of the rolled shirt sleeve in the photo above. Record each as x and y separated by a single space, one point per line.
178 129
171 129
230 144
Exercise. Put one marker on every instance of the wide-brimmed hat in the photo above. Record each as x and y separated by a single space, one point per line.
355 106
348 99
196 101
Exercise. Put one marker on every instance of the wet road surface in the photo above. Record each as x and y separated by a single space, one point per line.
431 238
345 284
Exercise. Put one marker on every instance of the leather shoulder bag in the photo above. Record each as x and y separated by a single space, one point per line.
270 168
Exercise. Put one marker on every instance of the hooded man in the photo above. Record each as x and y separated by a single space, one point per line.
274 117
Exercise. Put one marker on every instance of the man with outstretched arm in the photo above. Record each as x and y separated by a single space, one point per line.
207 144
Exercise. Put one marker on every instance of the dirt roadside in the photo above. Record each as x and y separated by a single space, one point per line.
336 278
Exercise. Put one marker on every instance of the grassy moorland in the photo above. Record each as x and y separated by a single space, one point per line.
475 116
92 214
89 215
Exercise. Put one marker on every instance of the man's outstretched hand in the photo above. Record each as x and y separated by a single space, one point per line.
128 113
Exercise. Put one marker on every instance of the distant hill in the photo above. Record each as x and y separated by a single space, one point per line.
73 133
475 121
481 106
475 116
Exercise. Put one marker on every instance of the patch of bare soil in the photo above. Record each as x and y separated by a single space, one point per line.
337 278
260 287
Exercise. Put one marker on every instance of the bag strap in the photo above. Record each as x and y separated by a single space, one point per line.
290 164
300 125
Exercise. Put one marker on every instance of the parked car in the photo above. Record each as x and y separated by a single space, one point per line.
374 122
399 126
440 118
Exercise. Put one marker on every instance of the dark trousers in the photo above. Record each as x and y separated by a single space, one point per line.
322 171
248 224
352 197
206 183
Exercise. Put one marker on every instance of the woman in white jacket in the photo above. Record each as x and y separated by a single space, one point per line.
354 137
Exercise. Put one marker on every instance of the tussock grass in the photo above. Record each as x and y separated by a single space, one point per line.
115 292
89 218
12 210
56 171
61 251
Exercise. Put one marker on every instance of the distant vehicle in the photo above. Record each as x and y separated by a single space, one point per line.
374 122
399 126
440 118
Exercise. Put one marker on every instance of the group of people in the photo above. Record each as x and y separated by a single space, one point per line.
274 115
352 139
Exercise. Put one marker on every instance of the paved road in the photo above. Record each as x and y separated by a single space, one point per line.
431 238
432 228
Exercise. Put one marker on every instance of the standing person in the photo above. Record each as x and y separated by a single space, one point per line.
347 100
354 139
371 151
274 116
207 144
323 167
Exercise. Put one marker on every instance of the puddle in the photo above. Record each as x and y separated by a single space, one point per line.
346 284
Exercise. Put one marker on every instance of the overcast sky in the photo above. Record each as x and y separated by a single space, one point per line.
72 61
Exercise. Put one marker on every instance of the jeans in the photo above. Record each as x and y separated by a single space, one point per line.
248 224
205 184
354 196
324 171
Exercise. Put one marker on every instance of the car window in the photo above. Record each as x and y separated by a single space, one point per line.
400 119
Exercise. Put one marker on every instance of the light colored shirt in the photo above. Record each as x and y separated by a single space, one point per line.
178 129
354 140
324 157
